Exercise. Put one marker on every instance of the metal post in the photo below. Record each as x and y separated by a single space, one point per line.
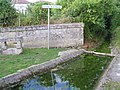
48 28
19 18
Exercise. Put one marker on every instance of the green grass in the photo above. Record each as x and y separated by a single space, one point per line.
104 48
12 63
116 38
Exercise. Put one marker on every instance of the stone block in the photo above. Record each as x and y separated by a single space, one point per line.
12 51
64 53
19 45
2 84
3 46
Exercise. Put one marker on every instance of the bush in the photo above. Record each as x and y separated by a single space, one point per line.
61 20
96 14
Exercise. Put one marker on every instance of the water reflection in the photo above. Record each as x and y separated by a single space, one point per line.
34 84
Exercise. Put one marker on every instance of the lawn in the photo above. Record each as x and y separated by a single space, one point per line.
12 63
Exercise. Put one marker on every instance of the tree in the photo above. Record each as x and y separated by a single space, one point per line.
37 14
116 16
64 3
56 13
7 13
90 13
97 15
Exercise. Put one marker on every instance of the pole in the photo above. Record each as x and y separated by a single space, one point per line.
19 18
48 28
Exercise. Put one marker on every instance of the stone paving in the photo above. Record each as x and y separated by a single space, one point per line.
112 73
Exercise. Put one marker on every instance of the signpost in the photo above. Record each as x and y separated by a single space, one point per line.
49 7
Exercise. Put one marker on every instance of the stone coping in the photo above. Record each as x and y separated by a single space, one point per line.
105 78
42 27
11 39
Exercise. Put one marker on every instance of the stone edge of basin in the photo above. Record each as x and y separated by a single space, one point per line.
20 75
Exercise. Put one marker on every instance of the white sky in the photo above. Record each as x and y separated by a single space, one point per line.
38 0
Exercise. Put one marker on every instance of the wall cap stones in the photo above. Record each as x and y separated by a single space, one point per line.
42 27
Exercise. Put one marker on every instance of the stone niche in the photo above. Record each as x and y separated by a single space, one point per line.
10 46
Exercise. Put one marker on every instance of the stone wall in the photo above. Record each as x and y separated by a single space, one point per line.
61 35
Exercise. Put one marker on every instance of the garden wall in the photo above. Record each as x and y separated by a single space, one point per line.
61 35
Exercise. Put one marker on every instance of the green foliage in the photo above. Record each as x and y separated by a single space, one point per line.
96 14
8 14
90 13
116 16
24 20
56 13
64 3
104 48
116 38
36 14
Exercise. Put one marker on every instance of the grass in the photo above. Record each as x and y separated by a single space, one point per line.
116 38
104 48
112 86
12 63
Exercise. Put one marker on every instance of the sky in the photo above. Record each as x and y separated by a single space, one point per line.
38 0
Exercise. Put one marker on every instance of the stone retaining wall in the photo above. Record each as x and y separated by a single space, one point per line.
61 35
15 78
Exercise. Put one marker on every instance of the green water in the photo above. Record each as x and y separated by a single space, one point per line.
80 73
